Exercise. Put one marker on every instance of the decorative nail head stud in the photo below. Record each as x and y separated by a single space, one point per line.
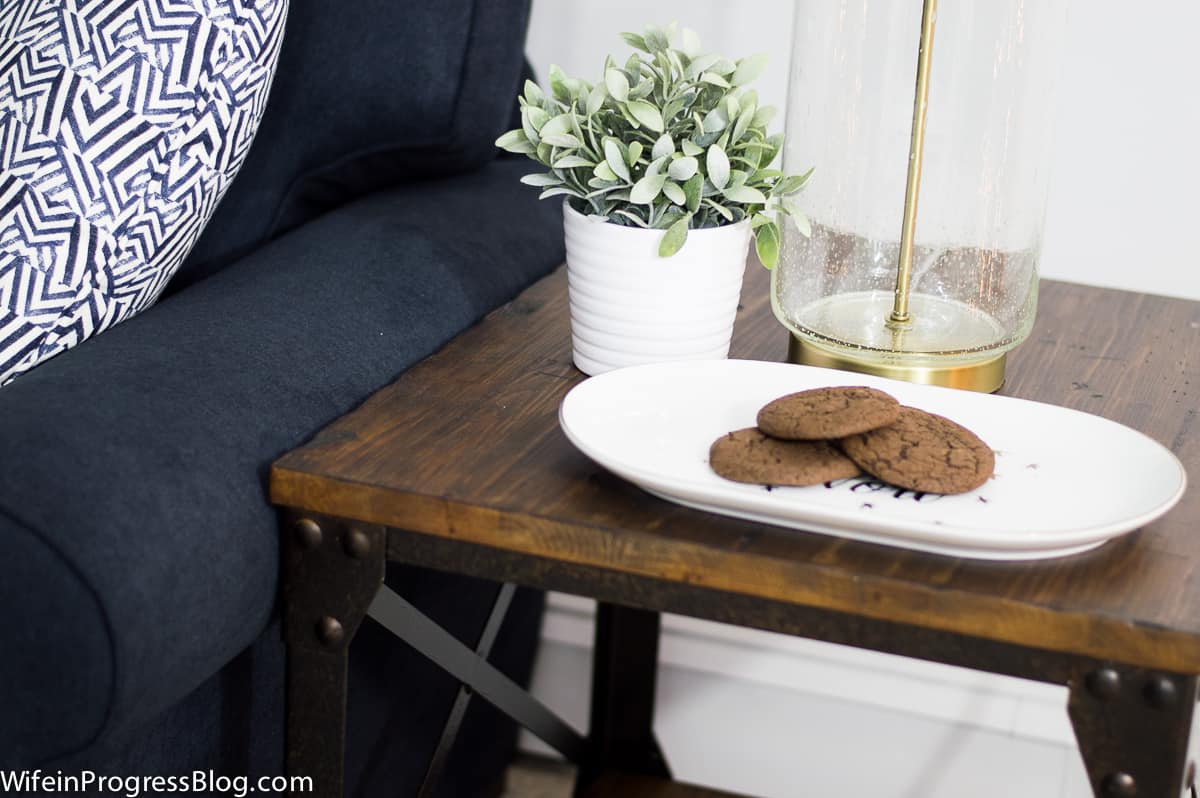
330 631
308 533
1104 683
357 544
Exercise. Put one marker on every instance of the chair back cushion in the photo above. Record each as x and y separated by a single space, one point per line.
369 94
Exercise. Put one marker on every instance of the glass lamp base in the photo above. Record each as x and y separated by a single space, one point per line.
984 375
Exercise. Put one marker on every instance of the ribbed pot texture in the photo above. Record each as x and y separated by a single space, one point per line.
629 306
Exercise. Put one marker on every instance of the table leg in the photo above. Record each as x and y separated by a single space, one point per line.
1133 726
624 671
331 572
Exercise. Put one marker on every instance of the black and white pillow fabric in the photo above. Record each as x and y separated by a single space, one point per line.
122 122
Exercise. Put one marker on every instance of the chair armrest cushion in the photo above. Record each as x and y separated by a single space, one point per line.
141 547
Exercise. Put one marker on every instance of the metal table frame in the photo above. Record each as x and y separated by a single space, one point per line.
1132 724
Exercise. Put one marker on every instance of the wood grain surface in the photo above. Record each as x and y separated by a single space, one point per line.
466 445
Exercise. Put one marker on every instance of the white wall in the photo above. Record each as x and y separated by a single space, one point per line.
765 713
1124 205
778 717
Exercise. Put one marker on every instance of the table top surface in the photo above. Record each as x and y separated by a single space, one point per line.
466 445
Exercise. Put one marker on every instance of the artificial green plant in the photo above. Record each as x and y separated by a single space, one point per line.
672 140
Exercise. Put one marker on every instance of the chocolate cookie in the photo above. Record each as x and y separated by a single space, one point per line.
748 455
823 413
923 452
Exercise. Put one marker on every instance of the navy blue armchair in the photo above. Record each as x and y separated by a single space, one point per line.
371 222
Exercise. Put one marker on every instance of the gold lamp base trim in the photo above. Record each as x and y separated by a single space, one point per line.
984 376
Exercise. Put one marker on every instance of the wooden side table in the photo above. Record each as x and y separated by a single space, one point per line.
460 466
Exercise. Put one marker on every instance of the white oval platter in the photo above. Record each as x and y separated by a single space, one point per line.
1065 481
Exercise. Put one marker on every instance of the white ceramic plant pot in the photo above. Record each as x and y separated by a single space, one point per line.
629 306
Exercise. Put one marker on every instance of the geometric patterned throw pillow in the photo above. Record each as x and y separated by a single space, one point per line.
122 122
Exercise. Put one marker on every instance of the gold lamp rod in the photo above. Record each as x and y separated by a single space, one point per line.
899 315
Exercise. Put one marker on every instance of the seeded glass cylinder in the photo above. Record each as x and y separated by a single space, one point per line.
983 183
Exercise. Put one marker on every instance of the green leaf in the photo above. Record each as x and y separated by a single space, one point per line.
565 140
656 166
646 190
596 98
766 244
717 164
605 172
533 93
571 161
673 106
655 38
515 141
643 90
746 195
531 132
615 159
558 125
646 114
749 68
721 209
691 148
749 99
759 220
763 116
700 64
673 239
723 66
731 106
663 147
683 168
674 193
555 191
743 123
674 57
764 176
715 121
558 84
634 152
631 217
792 184
714 79
689 42
624 108
693 189
542 180
536 116
633 40
617 84
775 143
